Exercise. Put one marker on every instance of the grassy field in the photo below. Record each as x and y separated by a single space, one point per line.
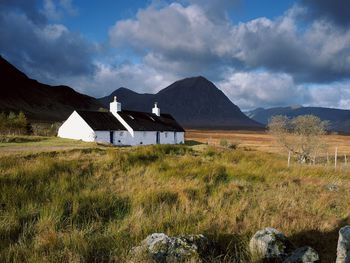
37 144
93 203
262 141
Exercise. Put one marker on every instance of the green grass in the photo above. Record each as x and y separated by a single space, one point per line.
37 144
37 141
94 204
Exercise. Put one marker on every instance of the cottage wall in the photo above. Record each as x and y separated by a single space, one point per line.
102 136
76 128
167 137
146 138
180 137
140 138
121 138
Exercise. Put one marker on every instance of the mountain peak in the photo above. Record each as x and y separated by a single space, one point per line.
123 89
191 84
198 79
195 102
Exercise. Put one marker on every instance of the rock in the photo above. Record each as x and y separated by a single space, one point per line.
163 249
303 255
343 249
270 245
332 187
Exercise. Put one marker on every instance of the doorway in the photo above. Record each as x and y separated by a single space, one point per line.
158 137
111 139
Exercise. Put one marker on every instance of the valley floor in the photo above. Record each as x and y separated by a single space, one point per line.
262 141
91 203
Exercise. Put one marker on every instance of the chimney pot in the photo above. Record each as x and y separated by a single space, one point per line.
156 110
115 106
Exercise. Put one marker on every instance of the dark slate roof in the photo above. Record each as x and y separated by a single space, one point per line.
101 121
144 121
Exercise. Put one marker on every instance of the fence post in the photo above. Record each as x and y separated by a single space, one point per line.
345 160
327 159
288 159
335 157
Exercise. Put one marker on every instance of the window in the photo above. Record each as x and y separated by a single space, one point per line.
166 135
144 134
121 134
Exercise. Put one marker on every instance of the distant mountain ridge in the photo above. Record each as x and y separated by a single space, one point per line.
339 120
194 102
39 101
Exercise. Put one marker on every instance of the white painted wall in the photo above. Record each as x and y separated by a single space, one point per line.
180 137
102 136
172 137
146 138
121 137
141 138
76 128
167 138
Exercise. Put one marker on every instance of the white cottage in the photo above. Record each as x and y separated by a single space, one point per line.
122 127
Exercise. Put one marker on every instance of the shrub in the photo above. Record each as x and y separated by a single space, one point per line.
300 136
223 143
14 124
45 129
233 145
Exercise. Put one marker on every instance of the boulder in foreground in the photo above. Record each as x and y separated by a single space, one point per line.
303 255
163 249
343 249
270 245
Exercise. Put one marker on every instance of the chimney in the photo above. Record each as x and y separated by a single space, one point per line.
156 110
115 106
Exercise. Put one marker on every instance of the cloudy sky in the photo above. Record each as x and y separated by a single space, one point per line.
260 53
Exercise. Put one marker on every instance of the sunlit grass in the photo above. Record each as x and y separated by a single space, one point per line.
94 204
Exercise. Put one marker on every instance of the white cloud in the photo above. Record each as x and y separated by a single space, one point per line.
175 31
260 89
316 52
55 10
336 95
106 79
50 10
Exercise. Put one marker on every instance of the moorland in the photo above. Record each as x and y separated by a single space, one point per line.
70 201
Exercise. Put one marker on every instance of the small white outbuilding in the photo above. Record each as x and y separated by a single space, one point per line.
122 127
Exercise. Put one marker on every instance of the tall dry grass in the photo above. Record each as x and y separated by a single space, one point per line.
93 205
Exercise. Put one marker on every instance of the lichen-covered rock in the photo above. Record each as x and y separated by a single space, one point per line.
303 255
343 249
270 245
164 249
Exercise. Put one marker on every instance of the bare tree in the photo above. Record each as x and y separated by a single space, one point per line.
300 135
